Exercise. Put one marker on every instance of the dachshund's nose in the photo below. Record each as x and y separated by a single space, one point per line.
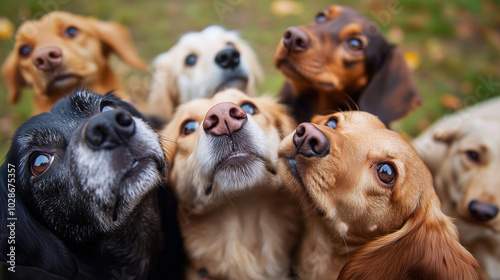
48 58
110 129
228 58
296 39
310 141
224 119
482 212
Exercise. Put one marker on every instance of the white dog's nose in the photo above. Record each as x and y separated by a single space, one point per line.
228 58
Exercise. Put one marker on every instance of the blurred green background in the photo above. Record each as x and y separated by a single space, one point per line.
452 46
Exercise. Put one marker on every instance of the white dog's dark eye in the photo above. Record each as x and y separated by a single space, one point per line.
320 17
354 44
189 127
473 156
25 50
332 123
191 60
249 108
40 163
71 32
386 173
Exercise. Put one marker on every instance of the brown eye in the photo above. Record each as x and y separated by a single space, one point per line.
25 51
386 173
189 127
473 156
354 45
40 163
320 17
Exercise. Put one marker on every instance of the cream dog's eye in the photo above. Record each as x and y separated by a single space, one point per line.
25 51
191 60
249 108
386 173
40 162
473 156
71 32
189 127
332 123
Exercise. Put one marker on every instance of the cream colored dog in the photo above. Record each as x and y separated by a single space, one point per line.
463 153
236 220
200 65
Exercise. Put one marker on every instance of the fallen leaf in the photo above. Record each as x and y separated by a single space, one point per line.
412 59
286 7
6 28
450 102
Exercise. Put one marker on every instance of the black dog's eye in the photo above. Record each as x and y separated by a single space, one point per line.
107 106
40 163
189 127
320 17
71 32
332 123
25 51
249 108
191 59
386 173
473 156
354 44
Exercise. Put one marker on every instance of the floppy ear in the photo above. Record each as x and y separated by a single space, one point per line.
117 37
13 78
33 244
169 140
164 94
391 93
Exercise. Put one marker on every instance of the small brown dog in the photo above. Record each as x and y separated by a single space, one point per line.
378 216
63 51
236 220
342 62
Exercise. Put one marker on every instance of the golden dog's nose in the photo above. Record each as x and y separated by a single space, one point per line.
310 141
224 119
48 58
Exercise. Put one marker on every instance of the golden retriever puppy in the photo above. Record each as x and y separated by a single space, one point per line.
63 51
236 220
463 154
376 214
200 65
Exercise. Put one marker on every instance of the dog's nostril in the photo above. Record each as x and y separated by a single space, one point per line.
124 119
237 113
287 35
482 211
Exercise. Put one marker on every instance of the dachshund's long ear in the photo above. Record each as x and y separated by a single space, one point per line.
32 244
13 78
391 93
427 247
164 94
117 37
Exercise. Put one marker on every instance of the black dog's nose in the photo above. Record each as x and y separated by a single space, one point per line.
47 59
224 119
110 129
310 141
296 39
482 211
228 58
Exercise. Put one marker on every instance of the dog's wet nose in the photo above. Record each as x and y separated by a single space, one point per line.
482 212
310 141
228 58
109 129
48 58
296 39
224 119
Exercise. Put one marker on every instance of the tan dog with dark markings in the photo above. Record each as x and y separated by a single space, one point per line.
63 51
378 216
236 219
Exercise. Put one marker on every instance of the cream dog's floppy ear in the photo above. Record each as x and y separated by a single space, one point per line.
117 37
164 94
13 78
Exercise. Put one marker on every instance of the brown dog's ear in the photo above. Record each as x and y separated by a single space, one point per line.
117 37
391 93
13 78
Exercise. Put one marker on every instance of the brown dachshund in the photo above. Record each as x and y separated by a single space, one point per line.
342 62
62 51
377 215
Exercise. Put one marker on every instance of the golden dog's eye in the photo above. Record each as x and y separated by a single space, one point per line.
355 45
189 127
25 51
40 163
473 156
332 123
320 17
191 60
249 108
71 32
386 173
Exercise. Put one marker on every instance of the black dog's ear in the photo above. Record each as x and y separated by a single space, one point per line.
391 93
23 241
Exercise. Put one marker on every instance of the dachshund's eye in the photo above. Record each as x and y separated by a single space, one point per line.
40 163
473 156
25 51
189 127
332 123
386 173
249 108
320 17
354 44
107 106
71 32
191 60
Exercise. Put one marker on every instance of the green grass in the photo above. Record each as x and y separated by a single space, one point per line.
458 42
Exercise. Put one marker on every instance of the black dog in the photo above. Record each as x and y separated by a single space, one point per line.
80 189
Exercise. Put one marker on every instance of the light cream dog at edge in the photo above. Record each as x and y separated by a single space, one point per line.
463 153
236 219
